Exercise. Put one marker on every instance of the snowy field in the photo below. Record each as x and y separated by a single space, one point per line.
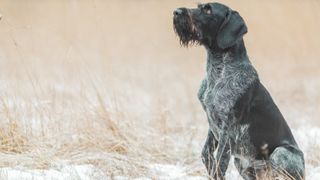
305 136
102 89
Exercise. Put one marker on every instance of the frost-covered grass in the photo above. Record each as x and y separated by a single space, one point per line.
88 93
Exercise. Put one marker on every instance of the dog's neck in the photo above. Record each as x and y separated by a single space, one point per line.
218 58
236 52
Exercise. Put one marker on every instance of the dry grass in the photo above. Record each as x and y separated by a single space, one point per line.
106 83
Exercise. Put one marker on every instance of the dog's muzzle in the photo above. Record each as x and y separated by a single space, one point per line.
180 12
184 26
177 12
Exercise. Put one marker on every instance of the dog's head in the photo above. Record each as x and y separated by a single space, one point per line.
211 24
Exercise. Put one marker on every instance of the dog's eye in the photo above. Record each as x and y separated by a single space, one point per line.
207 9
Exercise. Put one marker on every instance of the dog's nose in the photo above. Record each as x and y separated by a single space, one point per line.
177 12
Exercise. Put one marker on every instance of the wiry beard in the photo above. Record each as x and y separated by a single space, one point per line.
187 31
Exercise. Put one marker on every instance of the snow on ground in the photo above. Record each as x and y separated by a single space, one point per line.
162 171
72 172
307 138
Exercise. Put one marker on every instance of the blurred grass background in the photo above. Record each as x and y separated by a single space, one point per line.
80 77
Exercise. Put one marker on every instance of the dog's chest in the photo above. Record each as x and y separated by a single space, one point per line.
214 72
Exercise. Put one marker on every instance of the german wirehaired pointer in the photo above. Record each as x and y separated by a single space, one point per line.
243 119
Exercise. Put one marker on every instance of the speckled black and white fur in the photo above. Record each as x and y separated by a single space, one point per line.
243 120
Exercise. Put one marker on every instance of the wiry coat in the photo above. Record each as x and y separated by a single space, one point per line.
243 119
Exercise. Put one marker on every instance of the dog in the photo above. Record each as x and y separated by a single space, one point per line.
244 121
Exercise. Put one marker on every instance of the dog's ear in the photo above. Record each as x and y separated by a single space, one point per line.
232 29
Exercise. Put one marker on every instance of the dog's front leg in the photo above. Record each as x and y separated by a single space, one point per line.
222 157
207 154
216 167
